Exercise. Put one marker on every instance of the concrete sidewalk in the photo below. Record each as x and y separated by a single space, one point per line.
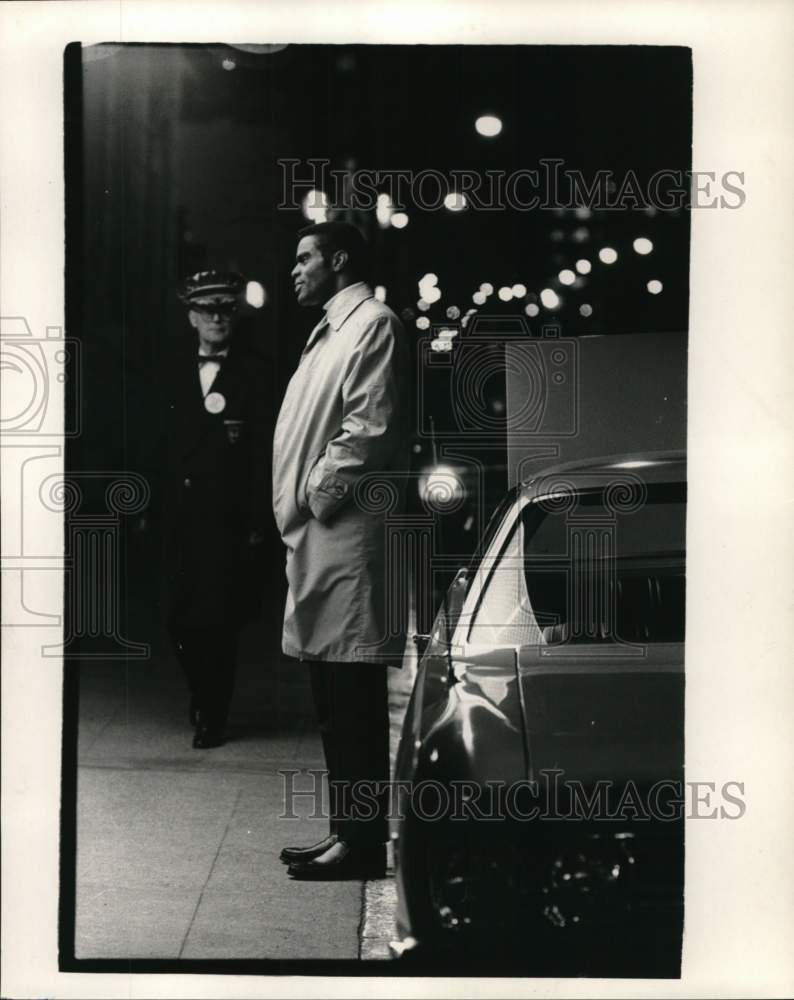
178 848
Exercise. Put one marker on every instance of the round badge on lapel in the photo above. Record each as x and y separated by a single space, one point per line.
214 403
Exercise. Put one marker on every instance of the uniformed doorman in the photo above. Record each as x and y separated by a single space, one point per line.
214 494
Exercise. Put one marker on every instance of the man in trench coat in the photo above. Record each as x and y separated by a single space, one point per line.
341 437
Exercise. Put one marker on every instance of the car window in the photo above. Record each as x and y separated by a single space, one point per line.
588 573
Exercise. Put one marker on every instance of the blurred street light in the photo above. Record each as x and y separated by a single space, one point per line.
488 126
255 294
315 206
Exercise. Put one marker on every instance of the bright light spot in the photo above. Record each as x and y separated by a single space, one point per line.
549 298
642 245
607 255
422 323
455 202
654 286
479 298
453 312
447 333
532 309
505 293
441 483
255 294
399 220
422 306
229 64
581 235
584 266
519 291
566 277
441 345
486 288
315 206
427 288
585 310
383 210
488 125
632 465
583 213
380 293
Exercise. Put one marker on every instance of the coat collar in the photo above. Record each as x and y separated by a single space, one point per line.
340 306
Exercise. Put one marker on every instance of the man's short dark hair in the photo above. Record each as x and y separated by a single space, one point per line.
333 236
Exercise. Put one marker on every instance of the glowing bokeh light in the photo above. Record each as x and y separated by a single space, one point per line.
255 294
505 293
455 202
549 298
642 245
478 298
532 309
654 286
315 206
423 323
519 291
584 266
384 210
399 220
607 255
585 310
488 126
566 277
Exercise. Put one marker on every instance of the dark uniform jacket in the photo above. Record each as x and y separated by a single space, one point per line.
212 489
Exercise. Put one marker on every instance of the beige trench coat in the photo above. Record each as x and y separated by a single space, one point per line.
341 436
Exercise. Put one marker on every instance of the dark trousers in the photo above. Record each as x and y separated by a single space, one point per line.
208 657
352 708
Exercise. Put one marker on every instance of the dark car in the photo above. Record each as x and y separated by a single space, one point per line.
540 770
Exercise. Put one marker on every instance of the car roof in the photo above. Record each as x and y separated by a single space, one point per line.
648 466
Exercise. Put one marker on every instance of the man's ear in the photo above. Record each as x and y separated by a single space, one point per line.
339 260
193 319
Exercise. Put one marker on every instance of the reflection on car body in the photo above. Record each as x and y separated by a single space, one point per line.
542 753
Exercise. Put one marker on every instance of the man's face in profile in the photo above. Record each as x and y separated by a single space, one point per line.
313 274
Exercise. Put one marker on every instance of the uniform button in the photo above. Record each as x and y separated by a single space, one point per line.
187 484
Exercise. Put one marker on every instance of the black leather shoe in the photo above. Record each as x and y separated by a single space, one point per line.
351 863
207 737
290 854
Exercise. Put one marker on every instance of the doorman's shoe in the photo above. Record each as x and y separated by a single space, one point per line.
207 736
290 854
